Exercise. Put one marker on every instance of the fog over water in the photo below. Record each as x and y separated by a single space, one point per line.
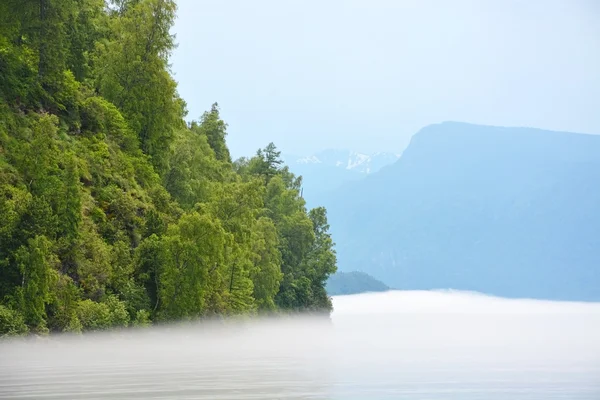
402 344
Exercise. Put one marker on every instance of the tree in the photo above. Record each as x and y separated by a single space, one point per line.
237 205
215 129
51 40
84 27
133 74
11 322
48 37
14 203
35 262
295 231
194 249
71 207
266 162
38 157
150 258
114 211
194 168
320 262
266 275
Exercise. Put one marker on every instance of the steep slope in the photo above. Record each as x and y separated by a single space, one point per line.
113 210
506 211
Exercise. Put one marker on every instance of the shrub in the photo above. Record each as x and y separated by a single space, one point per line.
93 316
142 318
12 322
118 311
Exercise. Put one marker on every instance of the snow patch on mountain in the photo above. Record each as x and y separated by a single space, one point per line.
309 160
361 161
349 160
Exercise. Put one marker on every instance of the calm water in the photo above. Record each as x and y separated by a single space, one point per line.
395 345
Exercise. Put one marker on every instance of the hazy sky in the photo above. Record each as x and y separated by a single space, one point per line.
367 74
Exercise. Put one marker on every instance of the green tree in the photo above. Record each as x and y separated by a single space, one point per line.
215 129
114 211
84 27
132 70
266 163
320 262
62 308
36 263
14 203
11 322
70 215
150 259
38 156
237 205
266 275
194 168
93 316
194 250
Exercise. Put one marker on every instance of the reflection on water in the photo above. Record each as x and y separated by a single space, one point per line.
414 345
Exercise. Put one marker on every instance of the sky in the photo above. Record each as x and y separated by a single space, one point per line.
366 75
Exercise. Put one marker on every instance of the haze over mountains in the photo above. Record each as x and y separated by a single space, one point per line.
328 170
505 211
346 160
342 283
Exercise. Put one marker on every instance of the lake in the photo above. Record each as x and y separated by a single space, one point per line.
392 345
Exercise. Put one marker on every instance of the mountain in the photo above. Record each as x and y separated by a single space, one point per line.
347 160
506 211
353 282
330 169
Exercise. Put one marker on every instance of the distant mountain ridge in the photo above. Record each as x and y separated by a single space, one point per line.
342 283
505 211
328 170
347 159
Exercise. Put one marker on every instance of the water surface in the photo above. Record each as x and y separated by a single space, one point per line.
394 345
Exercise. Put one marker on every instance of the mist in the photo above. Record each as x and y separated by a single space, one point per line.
417 344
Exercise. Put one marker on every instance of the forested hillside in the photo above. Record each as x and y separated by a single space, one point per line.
113 210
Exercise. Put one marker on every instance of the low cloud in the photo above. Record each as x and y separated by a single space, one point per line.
390 345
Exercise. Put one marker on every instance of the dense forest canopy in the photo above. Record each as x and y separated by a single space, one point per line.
113 210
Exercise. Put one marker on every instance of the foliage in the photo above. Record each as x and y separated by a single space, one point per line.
12 322
93 316
114 210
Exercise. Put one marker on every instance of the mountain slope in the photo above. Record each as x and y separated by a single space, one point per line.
116 211
506 211
354 282
328 170
348 160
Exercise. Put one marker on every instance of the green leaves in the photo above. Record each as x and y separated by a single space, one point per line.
11 322
215 130
266 274
95 316
36 263
194 248
115 212
133 74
